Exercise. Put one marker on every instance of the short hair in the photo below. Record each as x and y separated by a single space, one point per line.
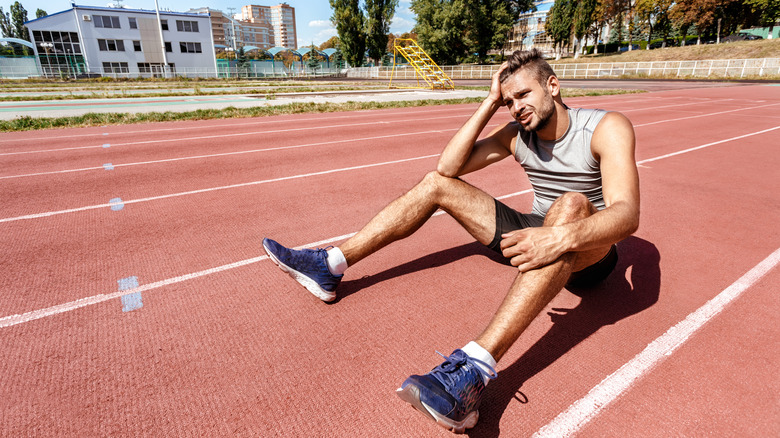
533 60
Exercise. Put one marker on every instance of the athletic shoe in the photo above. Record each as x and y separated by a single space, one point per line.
451 393
307 266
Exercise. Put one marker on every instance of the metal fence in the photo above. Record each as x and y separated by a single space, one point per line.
704 69
709 69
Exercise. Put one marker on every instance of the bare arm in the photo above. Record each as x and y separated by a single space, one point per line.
613 143
463 153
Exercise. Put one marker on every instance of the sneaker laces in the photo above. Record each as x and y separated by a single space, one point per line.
452 370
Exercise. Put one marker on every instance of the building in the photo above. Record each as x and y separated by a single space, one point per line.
114 40
529 30
280 19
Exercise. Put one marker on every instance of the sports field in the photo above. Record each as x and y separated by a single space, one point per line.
136 299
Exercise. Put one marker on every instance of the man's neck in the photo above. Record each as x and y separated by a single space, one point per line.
558 125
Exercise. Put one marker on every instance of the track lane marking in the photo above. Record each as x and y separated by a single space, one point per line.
84 169
218 126
212 189
236 134
252 183
37 314
582 411
224 154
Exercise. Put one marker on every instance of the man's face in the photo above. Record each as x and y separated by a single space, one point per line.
529 102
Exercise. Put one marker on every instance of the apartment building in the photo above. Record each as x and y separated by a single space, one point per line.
101 40
279 20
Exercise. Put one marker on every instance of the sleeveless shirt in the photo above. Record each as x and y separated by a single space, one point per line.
563 165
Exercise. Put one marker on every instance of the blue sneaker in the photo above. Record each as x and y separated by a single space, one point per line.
451 393
307 266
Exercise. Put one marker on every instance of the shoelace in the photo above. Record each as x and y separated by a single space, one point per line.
452 369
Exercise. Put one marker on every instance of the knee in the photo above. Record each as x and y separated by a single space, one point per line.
569 207
434 183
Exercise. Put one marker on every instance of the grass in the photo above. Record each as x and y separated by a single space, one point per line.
27 123
737 50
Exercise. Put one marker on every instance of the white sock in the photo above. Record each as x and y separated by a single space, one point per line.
337 264
476 351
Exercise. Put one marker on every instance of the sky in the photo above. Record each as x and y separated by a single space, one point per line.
312 17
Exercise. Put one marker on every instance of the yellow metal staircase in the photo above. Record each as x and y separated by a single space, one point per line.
424 67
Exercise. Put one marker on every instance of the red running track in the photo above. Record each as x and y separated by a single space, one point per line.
224 344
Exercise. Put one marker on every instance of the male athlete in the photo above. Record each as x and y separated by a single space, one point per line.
581 165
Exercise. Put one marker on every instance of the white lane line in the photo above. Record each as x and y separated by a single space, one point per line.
245 122
36 314
235 134
224 154
684 151
84 169
582 411
212 189
232 186
705 115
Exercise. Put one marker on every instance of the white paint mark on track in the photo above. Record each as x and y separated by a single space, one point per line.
211 189
252 183
582 411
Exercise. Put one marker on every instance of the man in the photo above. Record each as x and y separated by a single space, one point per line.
586 198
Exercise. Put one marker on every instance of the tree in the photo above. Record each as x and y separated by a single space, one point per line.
379 14
332 43
39 13
5 24
769 11
583 15
348 19
559 24
18 17
655 15
489 25
441 28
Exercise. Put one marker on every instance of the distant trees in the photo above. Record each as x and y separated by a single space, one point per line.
12 25
359 31
454 31
569 22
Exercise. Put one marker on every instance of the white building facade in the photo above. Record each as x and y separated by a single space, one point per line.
92 40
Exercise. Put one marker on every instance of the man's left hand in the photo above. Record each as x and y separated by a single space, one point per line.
532 248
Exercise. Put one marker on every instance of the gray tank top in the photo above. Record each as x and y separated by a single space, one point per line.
563 165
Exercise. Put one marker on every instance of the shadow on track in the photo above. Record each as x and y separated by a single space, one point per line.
606 304
429 261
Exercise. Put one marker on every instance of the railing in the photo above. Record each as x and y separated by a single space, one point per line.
704 69
711 69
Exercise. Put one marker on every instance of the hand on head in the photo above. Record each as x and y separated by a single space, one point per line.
495 86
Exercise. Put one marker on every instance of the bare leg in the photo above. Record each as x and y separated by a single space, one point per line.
471 207
532 291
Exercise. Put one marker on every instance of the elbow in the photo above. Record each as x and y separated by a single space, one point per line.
446 171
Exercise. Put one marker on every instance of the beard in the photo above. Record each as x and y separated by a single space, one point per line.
544 114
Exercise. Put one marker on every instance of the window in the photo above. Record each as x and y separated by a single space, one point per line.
186 26
115 67
164 24
108 21
111 45
190 47
133 23
61 42
137 46
168 47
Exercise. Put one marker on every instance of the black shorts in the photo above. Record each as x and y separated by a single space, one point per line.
508 219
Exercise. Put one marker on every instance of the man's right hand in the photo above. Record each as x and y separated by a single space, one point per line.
495 87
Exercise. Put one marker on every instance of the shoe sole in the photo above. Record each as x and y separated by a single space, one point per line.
304 281
411 394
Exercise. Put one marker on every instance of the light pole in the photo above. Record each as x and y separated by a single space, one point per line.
47 47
